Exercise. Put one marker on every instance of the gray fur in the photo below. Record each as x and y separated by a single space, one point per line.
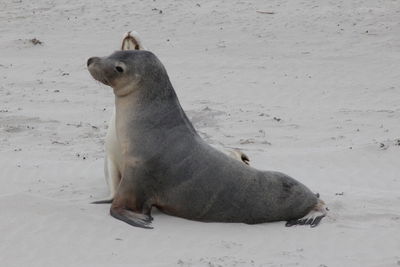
169 166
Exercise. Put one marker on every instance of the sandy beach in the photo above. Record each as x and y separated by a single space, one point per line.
308 88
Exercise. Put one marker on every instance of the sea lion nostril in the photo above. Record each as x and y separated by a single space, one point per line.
90 61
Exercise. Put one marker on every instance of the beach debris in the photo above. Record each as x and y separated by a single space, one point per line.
277 119
265 12
36 41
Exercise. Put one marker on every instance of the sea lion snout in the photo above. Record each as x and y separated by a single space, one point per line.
92 60
102 70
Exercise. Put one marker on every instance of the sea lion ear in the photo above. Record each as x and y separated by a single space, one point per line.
132 41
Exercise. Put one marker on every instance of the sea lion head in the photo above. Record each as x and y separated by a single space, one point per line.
128 71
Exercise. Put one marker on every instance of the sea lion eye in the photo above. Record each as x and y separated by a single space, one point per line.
119 69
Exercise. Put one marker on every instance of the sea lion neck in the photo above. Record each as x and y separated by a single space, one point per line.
145 94
145 107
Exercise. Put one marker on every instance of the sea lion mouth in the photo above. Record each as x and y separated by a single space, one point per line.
101 78
105 81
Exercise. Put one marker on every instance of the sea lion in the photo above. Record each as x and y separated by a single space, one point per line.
166 163
113 155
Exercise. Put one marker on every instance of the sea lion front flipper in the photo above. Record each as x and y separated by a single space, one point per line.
132 202
132 218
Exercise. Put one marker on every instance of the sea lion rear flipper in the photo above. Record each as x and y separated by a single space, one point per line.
313 218
313 222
